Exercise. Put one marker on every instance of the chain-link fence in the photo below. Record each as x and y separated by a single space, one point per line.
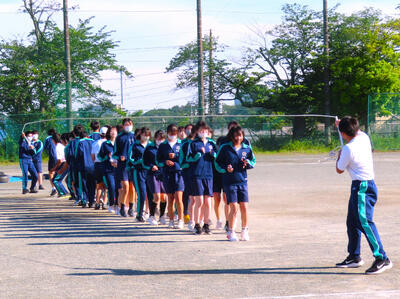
265 132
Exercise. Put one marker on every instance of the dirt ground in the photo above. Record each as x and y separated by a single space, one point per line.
297 226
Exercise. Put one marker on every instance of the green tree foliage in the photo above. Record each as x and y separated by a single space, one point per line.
32 71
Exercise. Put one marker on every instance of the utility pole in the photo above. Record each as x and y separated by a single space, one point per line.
122 89
67 57
200 74
326 89
211 102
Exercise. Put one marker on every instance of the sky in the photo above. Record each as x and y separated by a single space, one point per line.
150 33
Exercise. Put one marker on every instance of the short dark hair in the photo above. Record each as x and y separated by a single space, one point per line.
159 134
35 132
202 124
78 129
181 128
65 137
108 134
172 128
145 131
56 137
188 125
137 132
349 125
233 123
95 125
51 131
235 131
127 120
119 128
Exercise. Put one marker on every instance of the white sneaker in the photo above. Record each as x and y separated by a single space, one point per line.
163 221
245 234
111 210
146 216
232 236
171 224
191 226
210 223
152 220
117 209
179 225
176 218
219 225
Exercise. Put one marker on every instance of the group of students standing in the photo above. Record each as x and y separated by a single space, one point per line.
182 172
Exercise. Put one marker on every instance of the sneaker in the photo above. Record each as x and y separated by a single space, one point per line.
379 266
103 206
197 229
130 213
91 204
186 219
117 210
25 191
245 235
163 220
191 226
152 220
122 212
97 206
351 262
201 223
33 191
140 219
53 192
71 198
179 225
232 236
146 216
41 187
83 204
210 223
206 229
76 202
111 210
171 224
219 225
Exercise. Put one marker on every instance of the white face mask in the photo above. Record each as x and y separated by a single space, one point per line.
35 137
188 132
29 138
128 128
172 138
144 138
202 135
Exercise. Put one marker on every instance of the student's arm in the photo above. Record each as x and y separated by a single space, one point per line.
160 160
343 160
193 154
250 160
219 161
116 152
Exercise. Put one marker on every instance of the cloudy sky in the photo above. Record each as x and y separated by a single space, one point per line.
151 31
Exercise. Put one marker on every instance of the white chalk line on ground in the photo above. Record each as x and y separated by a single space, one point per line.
373 293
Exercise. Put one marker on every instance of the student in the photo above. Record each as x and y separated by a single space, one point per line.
70 159
356 157
182 133
225 139
233 160
26 151
51 152
188 199
95 126
124 180
98 169
202 152
84 166
217 190
66 138
139 171
168 160
37 157
105 157
60 169
155 188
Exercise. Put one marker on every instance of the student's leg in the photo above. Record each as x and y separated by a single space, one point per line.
233 209
171 201
91 187
207 208
179 204
24 169
99 191
198 204
217 201
33 173
243 213
123 195
353 224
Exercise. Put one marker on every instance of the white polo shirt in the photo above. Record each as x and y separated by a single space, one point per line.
60 152
96 148
356 157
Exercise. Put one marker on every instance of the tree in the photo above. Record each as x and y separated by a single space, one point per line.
32 71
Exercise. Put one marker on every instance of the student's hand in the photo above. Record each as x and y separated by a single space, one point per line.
122 158
229 168
169 163
203 150
171 155
114 164
31 147
244 161
110 155
155 168
337 123
23 135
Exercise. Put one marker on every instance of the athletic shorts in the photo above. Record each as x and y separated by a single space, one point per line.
51 163
202 187
187 181
155 184
173 182
122 173
38 165
236 193
217 182
98 172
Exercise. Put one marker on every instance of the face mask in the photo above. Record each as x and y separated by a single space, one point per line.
29 138
188 132
128 128
144 138
202 135
158 142
35 137
172 138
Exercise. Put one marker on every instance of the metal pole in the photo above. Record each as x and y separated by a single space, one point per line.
67 56
200 73
122 90
326 89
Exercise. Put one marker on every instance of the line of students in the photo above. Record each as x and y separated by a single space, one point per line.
183 173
